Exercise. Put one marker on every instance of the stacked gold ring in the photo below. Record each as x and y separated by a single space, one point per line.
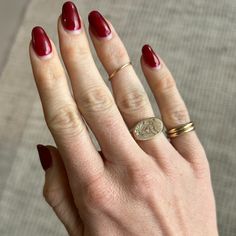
185 128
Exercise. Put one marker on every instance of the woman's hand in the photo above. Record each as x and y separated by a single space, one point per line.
152 187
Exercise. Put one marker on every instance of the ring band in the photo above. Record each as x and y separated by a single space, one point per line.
117 70
185 128
147 128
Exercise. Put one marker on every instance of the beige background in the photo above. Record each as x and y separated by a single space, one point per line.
197 39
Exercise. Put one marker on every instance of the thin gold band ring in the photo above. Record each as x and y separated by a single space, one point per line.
117 70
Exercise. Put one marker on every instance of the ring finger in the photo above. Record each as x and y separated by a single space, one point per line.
129 93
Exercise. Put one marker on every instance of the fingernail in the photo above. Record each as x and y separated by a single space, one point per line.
70 17
150 57
40 41
44 156
98 24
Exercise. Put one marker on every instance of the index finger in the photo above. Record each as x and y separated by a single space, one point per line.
62 116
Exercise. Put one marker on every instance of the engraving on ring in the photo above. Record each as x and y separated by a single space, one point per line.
148 128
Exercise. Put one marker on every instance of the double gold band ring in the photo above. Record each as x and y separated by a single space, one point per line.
120 68
185 128
150 127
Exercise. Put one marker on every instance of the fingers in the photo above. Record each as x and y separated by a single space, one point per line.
92 96
56 190
172 107
128 91
60 110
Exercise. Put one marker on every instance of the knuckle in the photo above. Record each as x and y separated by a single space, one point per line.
53 197
177 115
97 195
96 99
143 183
166 84
83 51
132 101
201 169
118 54
76 50
66 121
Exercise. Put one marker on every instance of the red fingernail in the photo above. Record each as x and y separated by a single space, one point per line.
70 17
44 156
150 57
98 24
40 41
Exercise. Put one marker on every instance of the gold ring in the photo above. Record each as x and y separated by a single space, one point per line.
117 70
147 128
181 129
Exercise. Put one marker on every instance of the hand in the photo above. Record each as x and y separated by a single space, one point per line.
131 187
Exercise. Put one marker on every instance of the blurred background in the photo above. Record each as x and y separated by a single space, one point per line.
11 14
197 39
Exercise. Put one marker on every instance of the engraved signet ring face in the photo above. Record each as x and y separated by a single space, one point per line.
147 129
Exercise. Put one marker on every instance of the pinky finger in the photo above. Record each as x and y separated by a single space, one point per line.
56 190
172 107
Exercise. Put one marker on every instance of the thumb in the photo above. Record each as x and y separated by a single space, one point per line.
56 189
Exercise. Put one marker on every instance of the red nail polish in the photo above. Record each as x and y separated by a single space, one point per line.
150 57
70 17
98 24
40 41
44 156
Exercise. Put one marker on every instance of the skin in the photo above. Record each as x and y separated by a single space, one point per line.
154 187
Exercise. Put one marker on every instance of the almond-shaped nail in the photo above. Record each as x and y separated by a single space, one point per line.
44 156
150 57
40 41
98 24
70 17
